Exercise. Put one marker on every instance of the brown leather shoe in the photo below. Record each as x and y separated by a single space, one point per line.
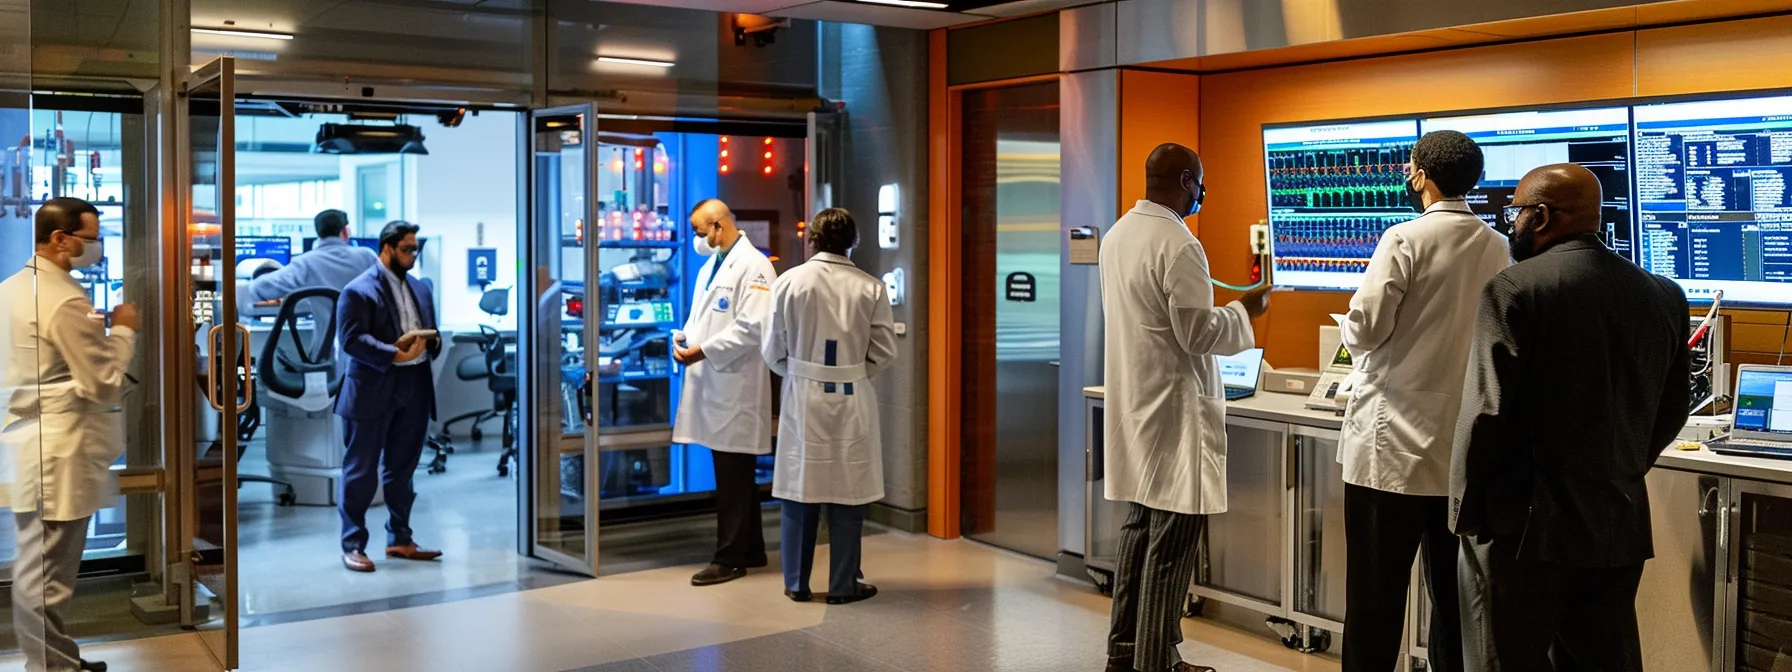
356 561
412 551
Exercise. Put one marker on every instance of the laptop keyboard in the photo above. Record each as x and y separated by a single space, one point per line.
1752 448
1236 393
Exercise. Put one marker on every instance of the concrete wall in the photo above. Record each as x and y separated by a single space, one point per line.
881 74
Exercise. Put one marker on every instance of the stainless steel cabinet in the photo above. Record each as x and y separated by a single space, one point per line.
1319 559
1678 604
1245 552
1758 627
1101 518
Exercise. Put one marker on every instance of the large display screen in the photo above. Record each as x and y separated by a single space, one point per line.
1333 189
1713 207
1516 142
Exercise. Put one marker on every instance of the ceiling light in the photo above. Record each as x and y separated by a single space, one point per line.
635 61
917 4
233 32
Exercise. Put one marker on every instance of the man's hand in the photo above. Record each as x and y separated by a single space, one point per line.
1256 301
410 352
688 356
126 316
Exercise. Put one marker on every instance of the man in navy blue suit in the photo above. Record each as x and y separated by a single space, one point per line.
388 396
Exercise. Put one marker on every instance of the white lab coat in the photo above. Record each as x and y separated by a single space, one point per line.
830 450
64 378
727 399
1408 332
1166 406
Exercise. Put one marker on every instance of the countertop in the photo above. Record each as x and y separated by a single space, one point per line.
1291 408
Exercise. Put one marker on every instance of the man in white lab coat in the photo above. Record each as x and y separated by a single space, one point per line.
1408 332
829 333
1166 440
727 406
64 378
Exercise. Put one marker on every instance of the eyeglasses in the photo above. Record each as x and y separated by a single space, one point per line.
409 249
1511 211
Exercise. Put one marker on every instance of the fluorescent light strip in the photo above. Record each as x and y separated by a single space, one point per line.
635 61
917 4
232 32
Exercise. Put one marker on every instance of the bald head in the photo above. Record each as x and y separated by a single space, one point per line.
1556 203
1173 178
714 222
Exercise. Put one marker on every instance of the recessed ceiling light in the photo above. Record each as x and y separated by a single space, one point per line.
233 32
635 61
917 4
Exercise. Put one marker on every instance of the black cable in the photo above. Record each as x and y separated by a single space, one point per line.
1784 334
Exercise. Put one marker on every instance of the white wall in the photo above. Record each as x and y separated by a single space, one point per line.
469 178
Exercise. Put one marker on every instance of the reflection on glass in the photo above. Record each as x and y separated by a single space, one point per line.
1319 529
559 156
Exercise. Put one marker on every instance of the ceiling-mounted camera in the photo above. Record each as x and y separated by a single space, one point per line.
762 29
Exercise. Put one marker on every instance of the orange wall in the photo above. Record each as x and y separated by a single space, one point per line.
1234 107
1157 107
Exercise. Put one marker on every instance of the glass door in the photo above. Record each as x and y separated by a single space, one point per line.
560 487
214 355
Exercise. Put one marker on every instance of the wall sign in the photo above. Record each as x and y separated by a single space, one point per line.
482 266
1022 287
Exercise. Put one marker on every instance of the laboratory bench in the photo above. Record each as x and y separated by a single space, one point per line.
1715 597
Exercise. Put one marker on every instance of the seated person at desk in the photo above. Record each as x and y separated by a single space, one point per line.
333 263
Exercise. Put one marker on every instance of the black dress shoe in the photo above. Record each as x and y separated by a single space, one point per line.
717 574
1120 664
799 595
866 592
93 665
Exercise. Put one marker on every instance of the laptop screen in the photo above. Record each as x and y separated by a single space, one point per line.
1241 370
1764 400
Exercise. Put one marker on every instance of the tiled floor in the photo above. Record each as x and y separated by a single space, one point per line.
954 605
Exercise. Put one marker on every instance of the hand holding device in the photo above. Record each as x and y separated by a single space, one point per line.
126 316
1256 301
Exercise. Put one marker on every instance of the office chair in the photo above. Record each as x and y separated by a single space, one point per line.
287 372
497 367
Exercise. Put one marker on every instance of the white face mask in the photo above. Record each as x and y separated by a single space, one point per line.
702 246
91 251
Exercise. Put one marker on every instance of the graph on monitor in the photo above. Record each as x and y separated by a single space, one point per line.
1333 190
1713 208
1514 143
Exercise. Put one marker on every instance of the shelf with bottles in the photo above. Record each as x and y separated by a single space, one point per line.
638 227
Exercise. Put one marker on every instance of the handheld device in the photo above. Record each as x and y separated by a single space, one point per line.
1333 390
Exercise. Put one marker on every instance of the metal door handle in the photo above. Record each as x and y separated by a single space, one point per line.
585 410
1056 363
214 382
248 372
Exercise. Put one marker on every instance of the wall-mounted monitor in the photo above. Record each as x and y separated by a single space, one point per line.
1513 143
276 248
1333 189
1714 212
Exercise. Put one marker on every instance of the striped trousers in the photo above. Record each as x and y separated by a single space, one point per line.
1151 580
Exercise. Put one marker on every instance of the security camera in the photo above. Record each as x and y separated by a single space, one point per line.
763 29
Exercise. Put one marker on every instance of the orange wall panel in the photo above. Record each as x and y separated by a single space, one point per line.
1155 108
942 305
1724 56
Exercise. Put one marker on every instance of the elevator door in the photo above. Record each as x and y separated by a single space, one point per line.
1011 165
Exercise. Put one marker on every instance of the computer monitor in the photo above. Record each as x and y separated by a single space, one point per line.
1241 370
1714 211
1516 142
1333 190
1764 402
275 248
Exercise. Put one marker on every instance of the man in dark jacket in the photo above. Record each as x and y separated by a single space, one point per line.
1577 381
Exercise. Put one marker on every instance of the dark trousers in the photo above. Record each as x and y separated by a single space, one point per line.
740 534
1524 615
383 452
846 526
1152 576
1382 530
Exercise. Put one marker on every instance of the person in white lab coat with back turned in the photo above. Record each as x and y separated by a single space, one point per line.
727 405
830 331
64 380
1166 437
1408 331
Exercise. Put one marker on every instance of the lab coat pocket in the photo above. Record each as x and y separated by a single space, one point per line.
832 422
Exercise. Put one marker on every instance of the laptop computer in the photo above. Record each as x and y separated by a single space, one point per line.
1763 423
1239 373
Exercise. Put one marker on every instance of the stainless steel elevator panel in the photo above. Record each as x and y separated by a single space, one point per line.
1026 349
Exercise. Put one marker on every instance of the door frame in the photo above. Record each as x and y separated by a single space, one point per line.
530 243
